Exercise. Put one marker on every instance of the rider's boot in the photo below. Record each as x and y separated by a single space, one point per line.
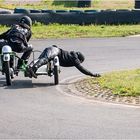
24 58
19 65
30 73
37 65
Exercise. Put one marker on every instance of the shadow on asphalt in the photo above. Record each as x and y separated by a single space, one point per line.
19 84
2 82
35 85
22 84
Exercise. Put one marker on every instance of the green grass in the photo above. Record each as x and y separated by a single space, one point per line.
77 31
65 4
123 83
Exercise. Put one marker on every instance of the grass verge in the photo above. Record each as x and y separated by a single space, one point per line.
123 83
77 31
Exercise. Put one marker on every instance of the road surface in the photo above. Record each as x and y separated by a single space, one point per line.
36 109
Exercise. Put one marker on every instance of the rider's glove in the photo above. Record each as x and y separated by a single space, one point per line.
96 75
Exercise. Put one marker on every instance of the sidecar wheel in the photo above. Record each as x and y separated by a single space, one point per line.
56 75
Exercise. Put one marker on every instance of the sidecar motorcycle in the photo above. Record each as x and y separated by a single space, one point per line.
8 66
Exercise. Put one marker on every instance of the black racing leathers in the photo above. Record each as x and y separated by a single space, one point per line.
66 59
17 37
69 59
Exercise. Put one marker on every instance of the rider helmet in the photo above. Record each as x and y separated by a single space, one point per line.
80 56
26 20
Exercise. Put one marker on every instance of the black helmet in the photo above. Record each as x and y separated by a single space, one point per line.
80 56
26 20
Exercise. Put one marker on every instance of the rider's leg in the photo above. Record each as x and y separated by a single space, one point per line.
18 49
25 56
39 63
27 53
47 55
50 52
32 70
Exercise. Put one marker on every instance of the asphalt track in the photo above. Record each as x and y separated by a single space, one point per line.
36 109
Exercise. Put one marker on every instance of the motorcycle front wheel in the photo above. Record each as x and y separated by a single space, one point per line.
6 65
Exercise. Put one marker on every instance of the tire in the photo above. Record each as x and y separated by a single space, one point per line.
6 65
84 3
48 11
21 11
35 11
5 12
56 75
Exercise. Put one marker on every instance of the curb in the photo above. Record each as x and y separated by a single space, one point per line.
76 87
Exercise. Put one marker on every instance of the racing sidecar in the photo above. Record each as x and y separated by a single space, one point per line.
8 66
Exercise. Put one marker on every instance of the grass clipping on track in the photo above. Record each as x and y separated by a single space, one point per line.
123 83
